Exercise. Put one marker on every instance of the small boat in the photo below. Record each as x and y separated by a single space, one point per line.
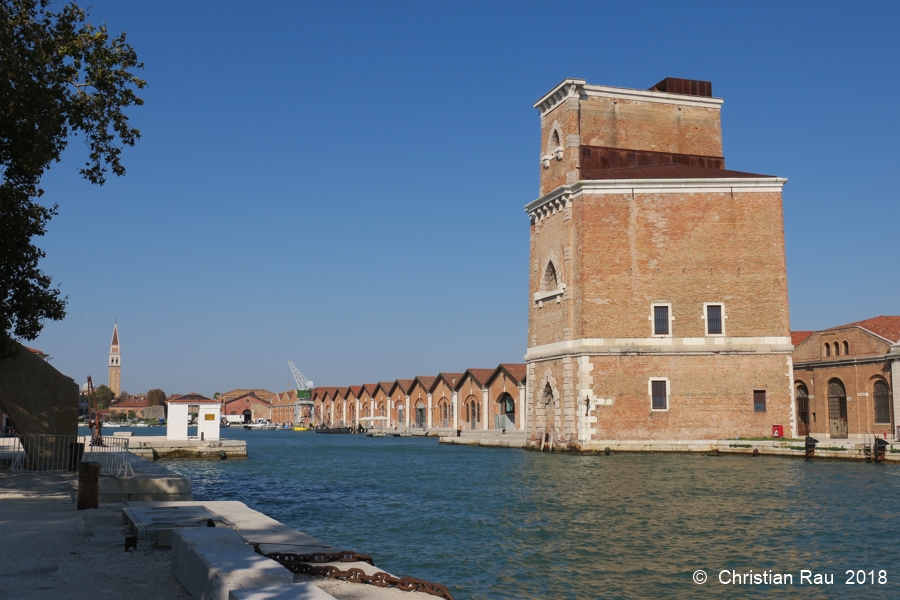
262 425
107 424
332 430
300 428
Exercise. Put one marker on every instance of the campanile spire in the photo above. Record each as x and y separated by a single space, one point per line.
115 383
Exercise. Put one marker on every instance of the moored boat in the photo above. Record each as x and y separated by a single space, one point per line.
332 430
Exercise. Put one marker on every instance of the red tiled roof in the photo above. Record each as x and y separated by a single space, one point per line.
356 390
451 379
425 381
131 403
243 400
480 376
370 388
798 337
386 386
404 384
327 392
192 398
887 327
40 353
667 172
516 371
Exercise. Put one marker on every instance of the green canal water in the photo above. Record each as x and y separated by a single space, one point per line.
499 523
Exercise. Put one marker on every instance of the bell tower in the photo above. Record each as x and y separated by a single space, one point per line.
115 382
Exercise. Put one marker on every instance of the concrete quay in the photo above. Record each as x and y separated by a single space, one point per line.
64 553
847 449
490 438
157 447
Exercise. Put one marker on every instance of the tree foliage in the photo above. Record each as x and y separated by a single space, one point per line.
104 395
156 397
59 77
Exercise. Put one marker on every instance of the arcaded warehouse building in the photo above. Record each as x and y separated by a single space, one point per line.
658 306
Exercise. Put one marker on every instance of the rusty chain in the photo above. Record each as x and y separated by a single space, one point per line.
305 564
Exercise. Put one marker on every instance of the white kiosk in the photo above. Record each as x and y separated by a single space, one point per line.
179 415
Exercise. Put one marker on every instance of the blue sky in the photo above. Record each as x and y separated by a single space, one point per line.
343 183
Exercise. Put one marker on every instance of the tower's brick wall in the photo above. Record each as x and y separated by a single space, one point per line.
687 249
635 125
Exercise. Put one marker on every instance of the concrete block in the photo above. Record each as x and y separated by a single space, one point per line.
156 523
211 572
294 591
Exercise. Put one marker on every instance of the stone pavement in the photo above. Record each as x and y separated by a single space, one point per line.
50 550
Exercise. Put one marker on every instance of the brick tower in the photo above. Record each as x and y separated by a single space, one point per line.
658 304
115 382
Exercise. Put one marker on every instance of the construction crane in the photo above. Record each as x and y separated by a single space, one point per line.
303 396
302 382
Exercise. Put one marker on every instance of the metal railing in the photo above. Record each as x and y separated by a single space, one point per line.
47 452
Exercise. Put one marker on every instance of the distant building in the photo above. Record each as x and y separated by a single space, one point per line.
140 405
284 408
845 379
484 399
249 405
115 362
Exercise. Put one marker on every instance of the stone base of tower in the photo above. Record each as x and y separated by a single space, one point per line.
578 401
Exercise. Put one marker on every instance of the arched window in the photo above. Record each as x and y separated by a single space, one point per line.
837 409
803 409
827 349
547 396
837 349
846 348
882 396
549 281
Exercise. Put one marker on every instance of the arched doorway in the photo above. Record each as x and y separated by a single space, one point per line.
802 410
400 415
444 408
837 409
507 418
472 412
420 413
248 415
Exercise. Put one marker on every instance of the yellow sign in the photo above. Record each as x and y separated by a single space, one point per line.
209 417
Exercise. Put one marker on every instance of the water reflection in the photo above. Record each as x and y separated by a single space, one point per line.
511 524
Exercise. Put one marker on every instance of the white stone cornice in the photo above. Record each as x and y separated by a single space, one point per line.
567 88
576 88
605 91
548 203
662 346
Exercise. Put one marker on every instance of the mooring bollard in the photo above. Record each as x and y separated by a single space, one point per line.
810 446
88 485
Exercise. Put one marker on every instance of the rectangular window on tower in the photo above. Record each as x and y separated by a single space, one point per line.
662 319
759 400
715 324
659 394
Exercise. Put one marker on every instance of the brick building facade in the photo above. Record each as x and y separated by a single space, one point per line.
844 379
658 304
496 398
